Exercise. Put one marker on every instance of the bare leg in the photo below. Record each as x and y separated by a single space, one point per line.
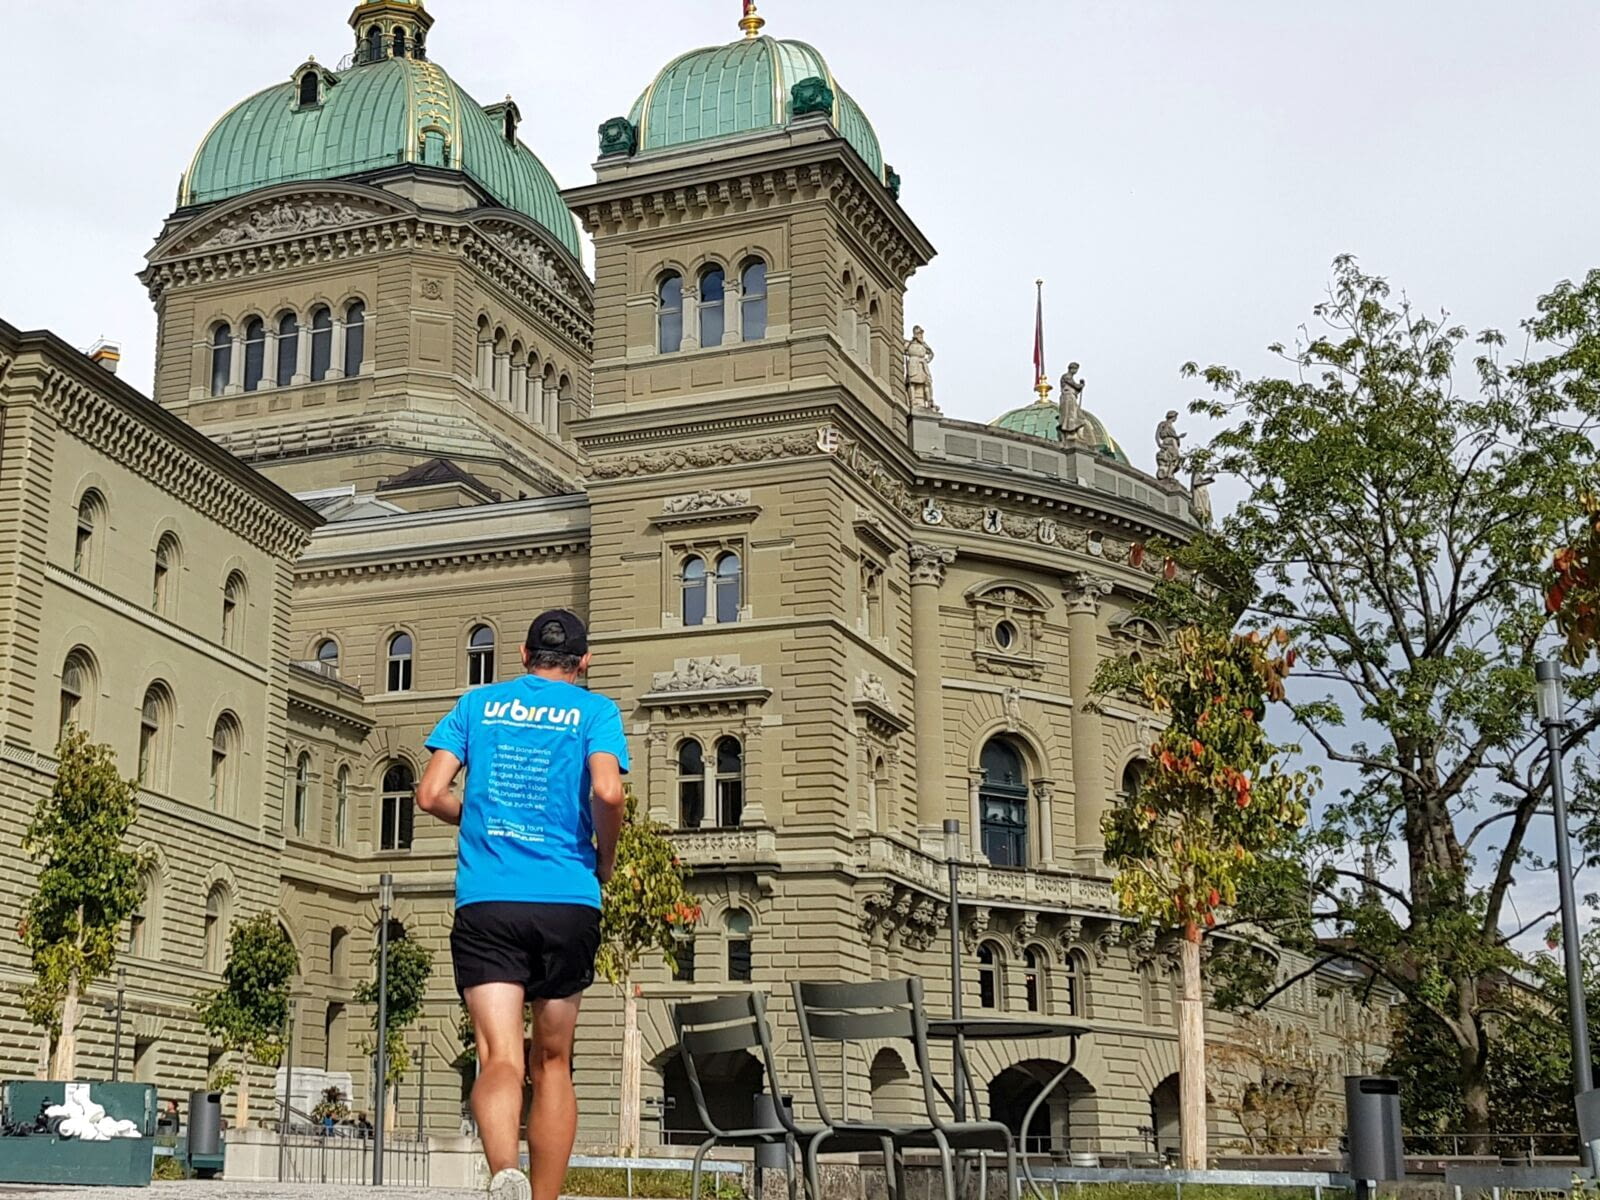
553 1123
496 1010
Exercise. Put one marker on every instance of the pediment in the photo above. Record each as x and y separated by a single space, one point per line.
533 247
279 213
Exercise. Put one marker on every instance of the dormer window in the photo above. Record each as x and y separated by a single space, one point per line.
310 89
374 44
399 41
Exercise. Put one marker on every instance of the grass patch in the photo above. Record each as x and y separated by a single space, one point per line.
648 1185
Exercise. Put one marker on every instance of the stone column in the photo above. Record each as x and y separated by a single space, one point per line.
536 399
302 354
502 379
485 380
691 317
519 389
732 311
1083 592
269 365
975 815
928 564
236 366
1044 794
336 357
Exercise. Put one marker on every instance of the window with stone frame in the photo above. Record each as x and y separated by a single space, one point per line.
741 966
991 981
872 573
708 582
1008 630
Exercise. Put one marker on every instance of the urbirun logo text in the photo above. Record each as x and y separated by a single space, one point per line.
518 712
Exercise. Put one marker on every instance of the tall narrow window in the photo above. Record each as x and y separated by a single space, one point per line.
321 344
233 611
753 301
341 806
398 808
730 589
164 583
302 794
310 90
691 784
399 42
669 313
882 819
214 934
1003 805
730 782
694 591
683 959
77 684
480 656
872 597
988 978
1073 978
139 921
400 661
741 969
224 763
1032 980
255 353
288 348
155 729
328 656
374 44
221 358
355 337
91 515
713 309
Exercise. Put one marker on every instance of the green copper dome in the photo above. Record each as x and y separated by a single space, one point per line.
380 113
743 88
1042 418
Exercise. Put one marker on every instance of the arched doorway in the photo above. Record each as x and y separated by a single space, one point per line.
896 1099
1066 1122
729 1083
1165 1118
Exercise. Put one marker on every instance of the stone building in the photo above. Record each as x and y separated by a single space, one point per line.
394 416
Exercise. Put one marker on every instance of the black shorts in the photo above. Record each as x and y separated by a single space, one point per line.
548 948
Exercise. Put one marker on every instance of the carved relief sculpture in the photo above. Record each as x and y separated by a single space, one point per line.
928 563
705 675
704 501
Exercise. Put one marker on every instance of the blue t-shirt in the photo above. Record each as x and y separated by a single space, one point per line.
526 828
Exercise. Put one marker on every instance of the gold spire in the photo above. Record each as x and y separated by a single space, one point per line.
752 21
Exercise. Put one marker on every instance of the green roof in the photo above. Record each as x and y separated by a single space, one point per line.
1042 419
376 115
742 88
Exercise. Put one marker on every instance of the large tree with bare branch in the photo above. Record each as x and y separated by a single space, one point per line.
1398 524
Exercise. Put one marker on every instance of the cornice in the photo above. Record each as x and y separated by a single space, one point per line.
389 561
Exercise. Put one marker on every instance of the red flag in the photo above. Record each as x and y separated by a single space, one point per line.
1038 340
749 7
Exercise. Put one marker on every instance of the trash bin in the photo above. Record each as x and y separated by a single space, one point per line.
205 1128
765 1116
1372 1119
1589 1123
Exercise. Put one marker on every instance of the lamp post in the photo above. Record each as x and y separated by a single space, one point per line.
286 1114
952 857
1552 715
116 1041
385 902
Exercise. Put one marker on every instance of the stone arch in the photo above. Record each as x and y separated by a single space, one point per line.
1068 1120
895 1090
727 1081
1032 595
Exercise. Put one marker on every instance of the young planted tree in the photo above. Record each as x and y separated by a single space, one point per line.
247 1015
645 908
410 965
1278 1086
1216 801
88 885
1397 529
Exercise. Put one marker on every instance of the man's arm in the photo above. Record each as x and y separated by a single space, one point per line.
433 793
608 804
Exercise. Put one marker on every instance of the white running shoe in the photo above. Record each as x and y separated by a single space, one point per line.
510 1184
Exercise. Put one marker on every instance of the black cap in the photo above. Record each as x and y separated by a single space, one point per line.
560 632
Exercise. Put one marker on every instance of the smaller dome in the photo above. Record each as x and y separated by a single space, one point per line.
1042 419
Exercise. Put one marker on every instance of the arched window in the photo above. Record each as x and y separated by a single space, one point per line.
221 358
143 921
374 44
338 943
740 967
328 656
669 313
399 41
480 656
341 806
255 353
321 343
1074 991
302 794
691 784
355 337
214 936
730 588
310 90
164 582
989 992
77 690
224 763
85 548
155 736
288 348
233 595
694 590
1003 805
400 656
753 300
713 313
1133 777
1033 981
397 808
435 153
730 782
878 796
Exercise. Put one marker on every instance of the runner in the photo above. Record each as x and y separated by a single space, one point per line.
540 815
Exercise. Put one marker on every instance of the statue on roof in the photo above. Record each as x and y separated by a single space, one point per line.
1071 422
1200 494
1169 448
919 370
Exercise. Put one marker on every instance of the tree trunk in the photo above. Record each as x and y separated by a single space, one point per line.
46 1051
632 1051
241 1115
1191 1057
66 1062
1475 1105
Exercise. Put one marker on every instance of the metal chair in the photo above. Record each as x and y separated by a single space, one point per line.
857 1012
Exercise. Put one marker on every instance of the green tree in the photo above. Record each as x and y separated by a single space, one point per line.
88 885
410 965
1216 800
646 907
249 1012
1396 529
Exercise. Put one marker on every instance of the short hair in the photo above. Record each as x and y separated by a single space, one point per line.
554 660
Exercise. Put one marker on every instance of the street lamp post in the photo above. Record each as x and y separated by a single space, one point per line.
385 902
116 1042
1552 715
952 856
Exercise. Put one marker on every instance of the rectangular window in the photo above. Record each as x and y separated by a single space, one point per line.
683 954
739 965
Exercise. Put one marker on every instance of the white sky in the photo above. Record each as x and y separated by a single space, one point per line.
1180 173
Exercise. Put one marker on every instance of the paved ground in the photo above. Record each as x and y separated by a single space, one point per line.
219 1190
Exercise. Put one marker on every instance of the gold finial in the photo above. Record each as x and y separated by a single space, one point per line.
752 21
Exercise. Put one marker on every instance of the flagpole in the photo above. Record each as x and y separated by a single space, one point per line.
1041 382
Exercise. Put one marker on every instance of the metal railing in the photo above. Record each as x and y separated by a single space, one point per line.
341 1154
1518 1147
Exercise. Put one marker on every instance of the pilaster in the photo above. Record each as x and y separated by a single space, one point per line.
1083 593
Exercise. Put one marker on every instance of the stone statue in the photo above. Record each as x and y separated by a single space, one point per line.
919 373
1200 494
1169 448
1071 422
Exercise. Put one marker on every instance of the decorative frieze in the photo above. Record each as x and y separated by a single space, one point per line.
282 218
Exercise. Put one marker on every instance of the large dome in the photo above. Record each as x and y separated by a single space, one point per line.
384 110
743 88
1041 419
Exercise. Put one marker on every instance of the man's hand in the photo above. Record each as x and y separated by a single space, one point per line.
608 804
605 868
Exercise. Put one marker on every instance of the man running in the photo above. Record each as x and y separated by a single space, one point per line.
540 816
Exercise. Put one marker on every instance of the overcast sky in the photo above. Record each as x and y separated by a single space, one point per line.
1180 173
